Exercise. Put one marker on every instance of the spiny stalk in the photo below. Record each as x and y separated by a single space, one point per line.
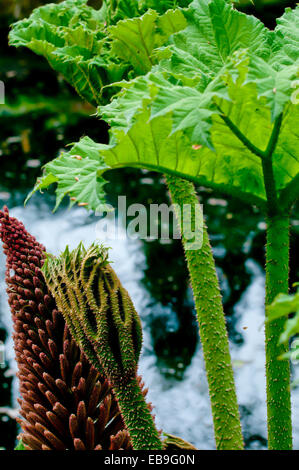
211 320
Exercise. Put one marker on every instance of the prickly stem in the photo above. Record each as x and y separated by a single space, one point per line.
213 334
277 371
137 418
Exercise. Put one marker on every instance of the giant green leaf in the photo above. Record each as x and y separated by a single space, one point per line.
235 109
71 36
77 41
216 107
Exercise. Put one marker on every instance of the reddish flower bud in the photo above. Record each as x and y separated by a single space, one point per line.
63 397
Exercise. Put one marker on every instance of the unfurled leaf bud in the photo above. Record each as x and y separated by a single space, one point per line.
104 322
97 308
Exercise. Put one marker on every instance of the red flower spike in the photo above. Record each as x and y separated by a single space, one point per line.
65 403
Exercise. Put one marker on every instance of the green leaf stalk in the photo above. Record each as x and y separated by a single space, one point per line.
277 281
277 371
211 320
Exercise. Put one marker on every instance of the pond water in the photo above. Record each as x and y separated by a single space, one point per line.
180 398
